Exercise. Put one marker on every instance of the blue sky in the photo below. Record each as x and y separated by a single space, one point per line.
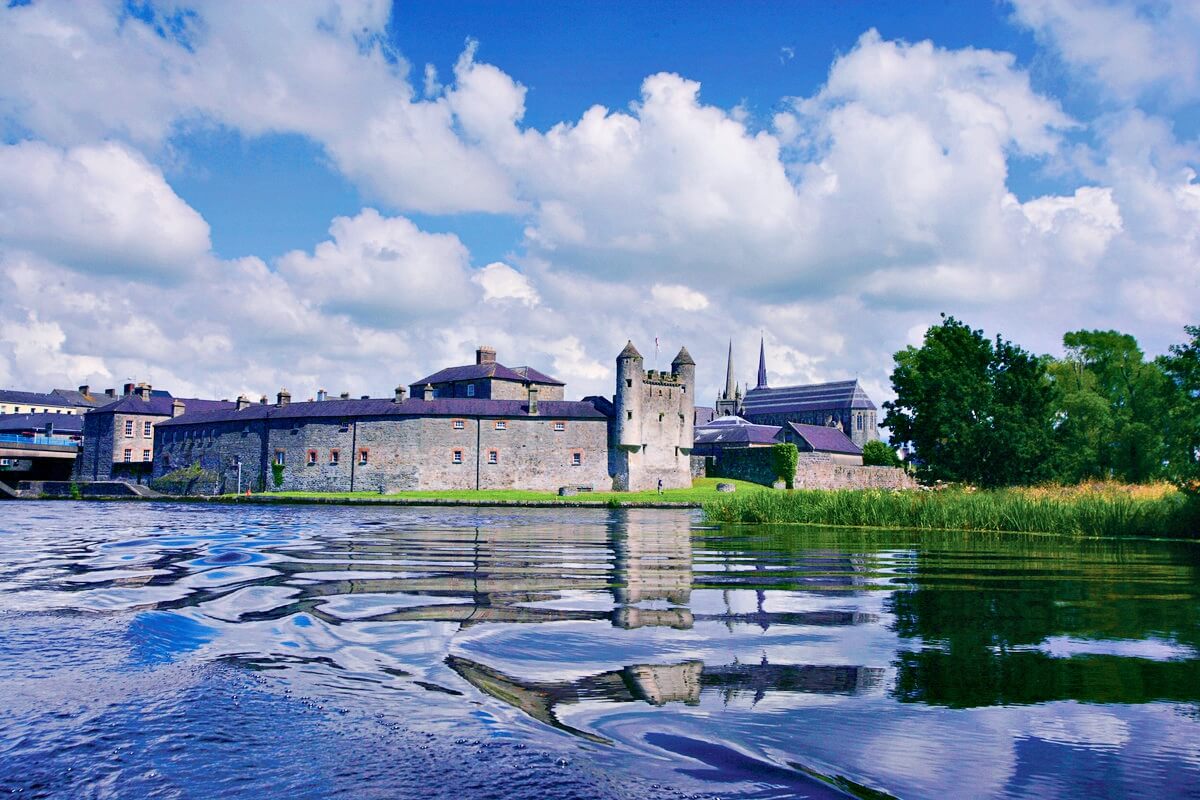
346 196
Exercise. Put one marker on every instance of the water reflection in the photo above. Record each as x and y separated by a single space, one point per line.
765 662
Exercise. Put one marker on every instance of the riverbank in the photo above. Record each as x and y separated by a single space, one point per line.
1090 510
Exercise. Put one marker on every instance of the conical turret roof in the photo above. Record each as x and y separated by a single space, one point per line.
684 357
630 351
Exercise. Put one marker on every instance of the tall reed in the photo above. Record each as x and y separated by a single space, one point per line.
1172 514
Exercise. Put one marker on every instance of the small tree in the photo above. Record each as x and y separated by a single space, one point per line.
877 454
277 475
785 457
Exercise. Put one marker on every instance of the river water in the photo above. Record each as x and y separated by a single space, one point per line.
152 650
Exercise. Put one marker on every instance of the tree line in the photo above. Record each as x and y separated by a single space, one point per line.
984 411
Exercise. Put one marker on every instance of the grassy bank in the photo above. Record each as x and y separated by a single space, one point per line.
704 489
1081 511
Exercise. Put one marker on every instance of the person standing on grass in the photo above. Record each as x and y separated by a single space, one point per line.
660 485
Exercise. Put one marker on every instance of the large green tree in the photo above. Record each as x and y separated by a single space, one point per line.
1111 409
1182 367
972 409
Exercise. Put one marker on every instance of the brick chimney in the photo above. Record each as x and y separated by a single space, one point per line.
428 392
485 355
262 401
177 407
243 402
533 397
399 398
127 390
283 398
143 391
345 395
84 390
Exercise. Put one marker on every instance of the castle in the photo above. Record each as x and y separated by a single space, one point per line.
838 404
477 426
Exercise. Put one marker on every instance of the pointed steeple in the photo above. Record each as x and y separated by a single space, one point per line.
729 385
762 364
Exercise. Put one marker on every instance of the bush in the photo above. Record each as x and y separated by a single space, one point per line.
784 458
277 475
186 481
879 454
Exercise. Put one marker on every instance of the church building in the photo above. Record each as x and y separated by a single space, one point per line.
838 404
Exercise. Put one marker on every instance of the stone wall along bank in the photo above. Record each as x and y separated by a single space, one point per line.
813 471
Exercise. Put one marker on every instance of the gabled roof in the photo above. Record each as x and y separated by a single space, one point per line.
64 424
383 407
812 397
495 370
32 398
159 406
77 398
824 439
729 431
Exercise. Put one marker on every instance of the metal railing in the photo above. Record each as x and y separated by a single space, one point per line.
38 441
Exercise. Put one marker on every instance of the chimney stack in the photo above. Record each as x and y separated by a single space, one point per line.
143 391
127 390
262 401
345 395
322 395
399 395
485 355
243 402
83 390
283 398
110 392
177 407
428 392
533 398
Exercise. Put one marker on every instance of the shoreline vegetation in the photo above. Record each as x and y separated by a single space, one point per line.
1090 509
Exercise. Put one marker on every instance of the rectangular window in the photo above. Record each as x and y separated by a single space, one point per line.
312 458
146 429
344 426
501 425
576 458
470 390
628 415
493 457
457 457
145 455
629 383
860 422
128 455
280 457
459 424
560 426
129 427
334 455
362 457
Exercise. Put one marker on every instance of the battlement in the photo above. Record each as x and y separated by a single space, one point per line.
662 378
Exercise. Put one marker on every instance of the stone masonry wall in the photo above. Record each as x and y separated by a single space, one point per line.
813 471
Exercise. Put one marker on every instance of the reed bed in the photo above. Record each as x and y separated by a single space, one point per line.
1082 513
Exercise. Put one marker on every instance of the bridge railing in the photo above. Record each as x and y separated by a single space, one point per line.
38 441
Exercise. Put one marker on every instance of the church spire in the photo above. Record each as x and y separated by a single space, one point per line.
762 364
729 386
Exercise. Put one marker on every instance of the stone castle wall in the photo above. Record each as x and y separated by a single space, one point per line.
813 471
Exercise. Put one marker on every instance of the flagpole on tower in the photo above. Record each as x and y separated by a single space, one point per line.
656 354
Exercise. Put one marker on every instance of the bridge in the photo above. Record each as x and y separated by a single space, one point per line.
46 457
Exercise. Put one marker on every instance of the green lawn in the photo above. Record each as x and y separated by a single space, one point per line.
702 489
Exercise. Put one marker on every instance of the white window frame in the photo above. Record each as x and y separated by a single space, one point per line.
501 424
460 424
456 457
470 390
493 457
128 455
560 426
129 427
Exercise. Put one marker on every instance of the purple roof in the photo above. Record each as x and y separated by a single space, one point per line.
825 439
734 431
383 407
813 397
33 398
471 372
160 406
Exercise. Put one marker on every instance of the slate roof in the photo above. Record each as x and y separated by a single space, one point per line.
470 372
704 415
64 424
825 439
384 407
160 406
32 398
813 397
81 400
734 431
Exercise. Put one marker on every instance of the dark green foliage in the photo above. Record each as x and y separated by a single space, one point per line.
784 457
877 454
972 411
277 475
1182 367
187 481
76 494
1112 407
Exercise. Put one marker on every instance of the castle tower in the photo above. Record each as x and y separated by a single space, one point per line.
653 414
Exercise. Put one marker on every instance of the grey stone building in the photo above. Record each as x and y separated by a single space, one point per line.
118 438
449 442
838 404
